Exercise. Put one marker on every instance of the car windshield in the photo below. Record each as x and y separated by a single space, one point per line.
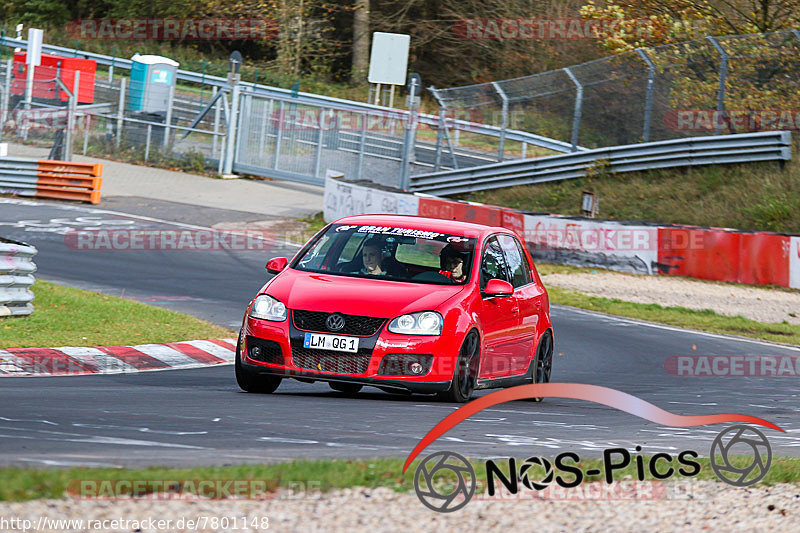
389 252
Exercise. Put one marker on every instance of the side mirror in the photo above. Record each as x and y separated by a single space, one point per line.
276 264
498 287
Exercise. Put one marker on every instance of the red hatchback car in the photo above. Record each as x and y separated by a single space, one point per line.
406 304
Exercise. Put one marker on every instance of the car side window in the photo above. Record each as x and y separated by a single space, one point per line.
493 264
517 263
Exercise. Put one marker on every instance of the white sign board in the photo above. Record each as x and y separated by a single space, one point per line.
34 54
794 262
345 199
388 61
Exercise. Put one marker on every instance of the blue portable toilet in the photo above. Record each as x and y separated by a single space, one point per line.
152 77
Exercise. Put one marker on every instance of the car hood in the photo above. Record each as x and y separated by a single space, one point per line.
357 296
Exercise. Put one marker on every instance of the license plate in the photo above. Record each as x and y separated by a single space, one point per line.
336 343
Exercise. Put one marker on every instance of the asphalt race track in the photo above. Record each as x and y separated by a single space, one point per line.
191 417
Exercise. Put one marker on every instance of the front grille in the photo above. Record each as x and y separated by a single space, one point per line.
338 362
268 351
365 326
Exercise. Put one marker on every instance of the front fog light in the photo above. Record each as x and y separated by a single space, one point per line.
416 368
255 352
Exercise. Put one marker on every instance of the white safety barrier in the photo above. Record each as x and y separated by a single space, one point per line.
16 277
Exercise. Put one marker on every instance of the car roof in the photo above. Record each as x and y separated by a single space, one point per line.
454 227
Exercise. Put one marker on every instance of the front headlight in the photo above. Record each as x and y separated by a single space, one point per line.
268 308
422 323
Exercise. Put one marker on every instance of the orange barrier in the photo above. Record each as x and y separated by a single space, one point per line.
62 180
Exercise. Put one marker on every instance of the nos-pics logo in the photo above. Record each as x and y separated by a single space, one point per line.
446 481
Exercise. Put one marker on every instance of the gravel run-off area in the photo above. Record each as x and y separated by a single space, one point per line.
755 303
713 506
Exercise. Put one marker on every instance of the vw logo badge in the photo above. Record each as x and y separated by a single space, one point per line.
335 322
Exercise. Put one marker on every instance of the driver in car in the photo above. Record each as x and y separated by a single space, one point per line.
452 263
372 258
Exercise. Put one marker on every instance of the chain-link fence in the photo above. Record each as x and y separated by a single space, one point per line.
715 85
732 84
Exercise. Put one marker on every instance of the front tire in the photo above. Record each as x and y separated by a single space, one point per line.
250 381
465 374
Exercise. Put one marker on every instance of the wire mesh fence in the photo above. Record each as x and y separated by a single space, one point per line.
714 85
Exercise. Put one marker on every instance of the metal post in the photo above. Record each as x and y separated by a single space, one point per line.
87 124
648 100
410 137
262 136
318 155
217 108
111 67
576 118
121 110
168 119
73 104
361 145
504 125
147 142
442 131
723 74
233 81
278 136
29 85
6 96
244 123
524 150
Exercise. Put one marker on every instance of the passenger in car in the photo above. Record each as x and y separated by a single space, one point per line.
372 258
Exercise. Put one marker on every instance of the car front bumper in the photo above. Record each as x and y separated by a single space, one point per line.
294 359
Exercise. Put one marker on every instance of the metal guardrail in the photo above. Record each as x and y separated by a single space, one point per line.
310 98
16 277
692 151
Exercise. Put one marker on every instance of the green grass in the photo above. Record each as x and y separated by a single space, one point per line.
750 197
703 320
64 316
20 484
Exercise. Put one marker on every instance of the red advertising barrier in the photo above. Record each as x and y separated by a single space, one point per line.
463 211
764 259
699 253
705 253
514 220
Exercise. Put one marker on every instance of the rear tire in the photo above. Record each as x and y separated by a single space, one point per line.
346 388
466 372
543 366
250 381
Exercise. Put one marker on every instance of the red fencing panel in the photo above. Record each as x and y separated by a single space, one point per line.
436 208
699 253
463 211
514 220
764 259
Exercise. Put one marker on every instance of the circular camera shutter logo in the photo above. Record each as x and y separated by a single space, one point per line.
722 451
335 322
454 487
543 464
